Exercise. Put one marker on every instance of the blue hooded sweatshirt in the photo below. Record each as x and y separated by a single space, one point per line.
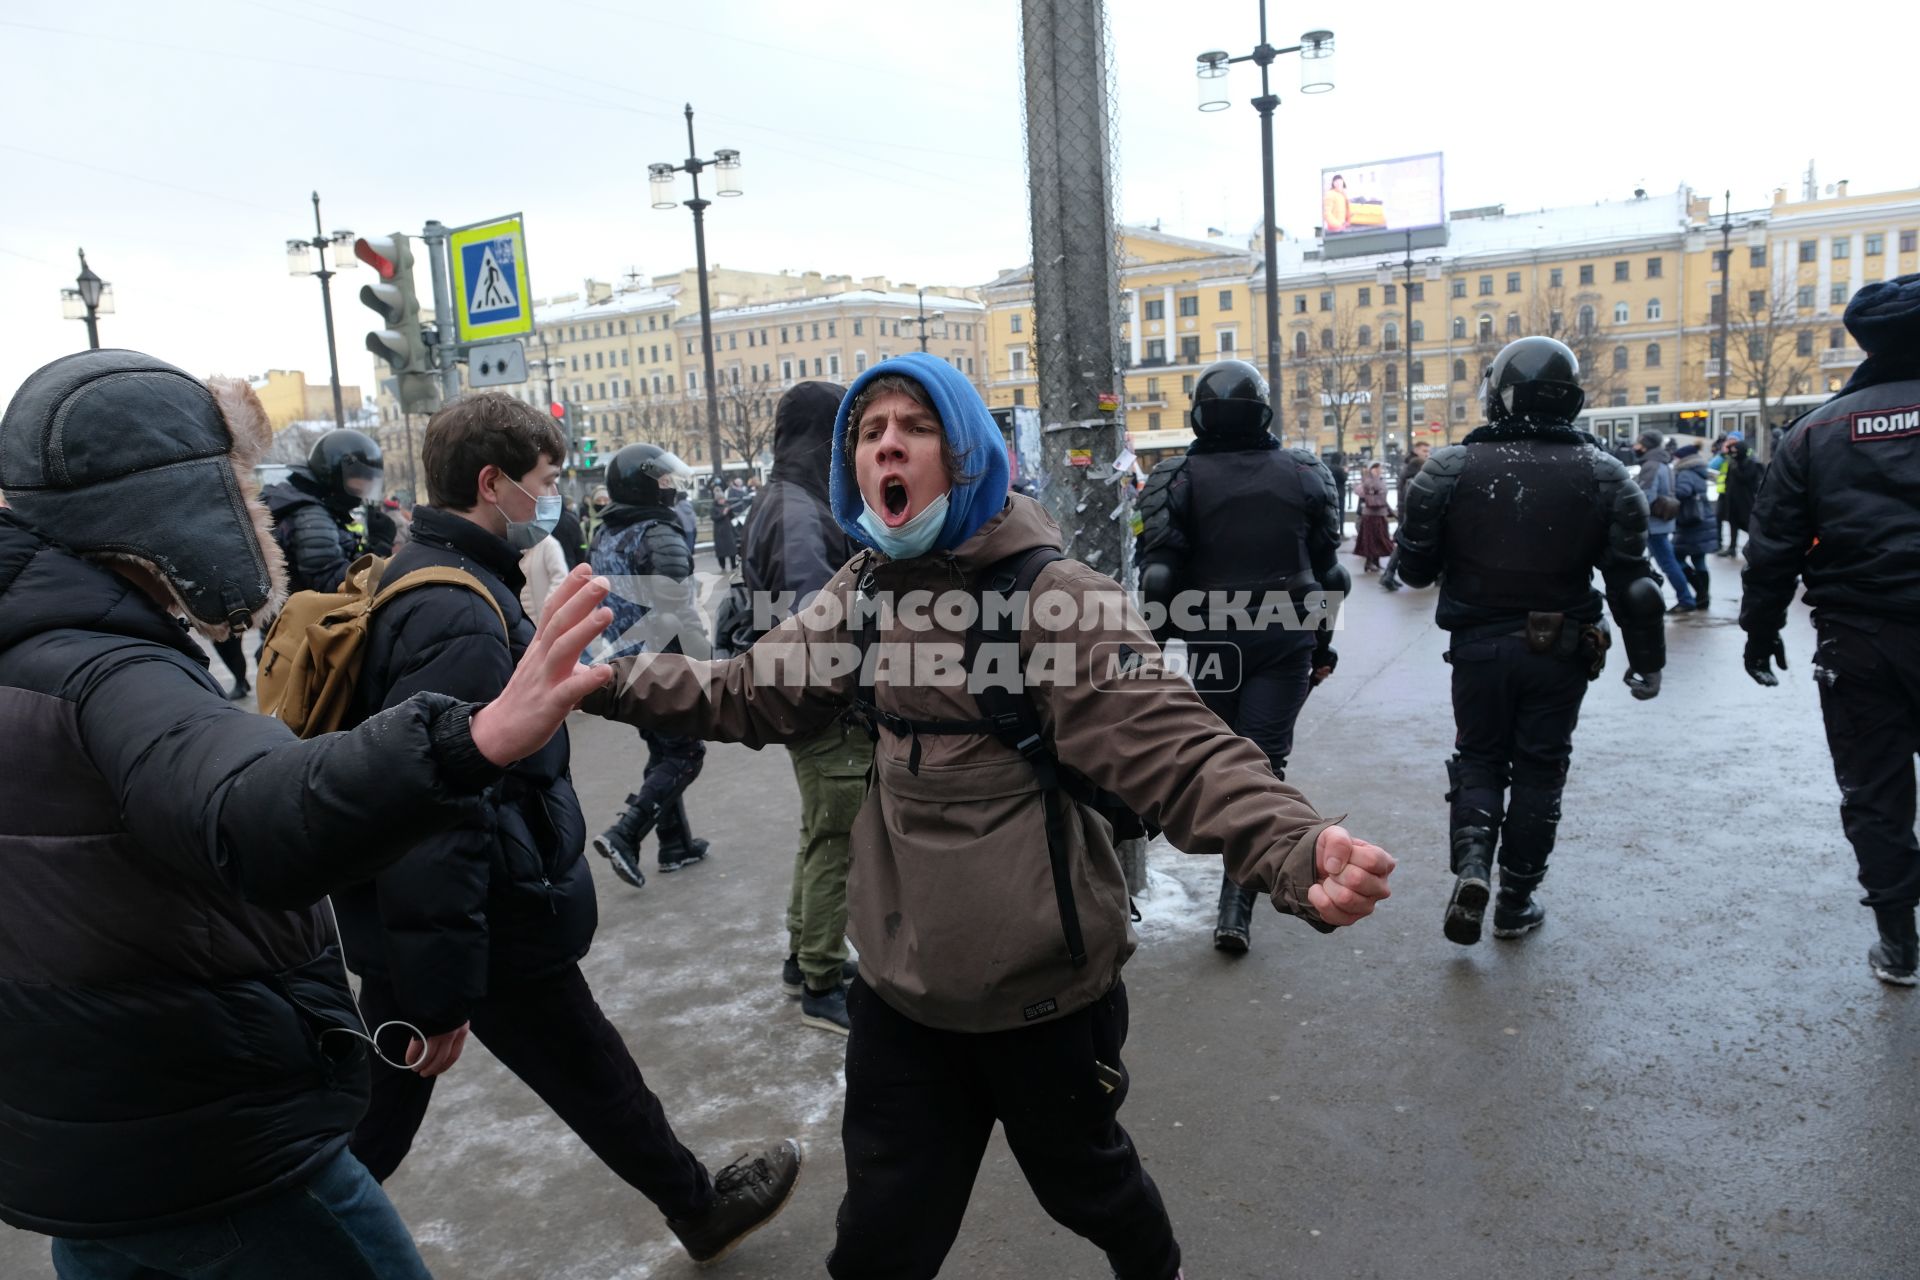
981 492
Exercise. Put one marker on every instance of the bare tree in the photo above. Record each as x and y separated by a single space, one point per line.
293 442
1338 371
655 419
1572 318
746 419
1771 350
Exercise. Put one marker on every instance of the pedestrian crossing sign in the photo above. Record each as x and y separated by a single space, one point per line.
490 280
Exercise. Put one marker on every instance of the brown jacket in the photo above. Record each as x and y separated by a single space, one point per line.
950 896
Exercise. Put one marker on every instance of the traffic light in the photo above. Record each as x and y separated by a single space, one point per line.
589 447
398 341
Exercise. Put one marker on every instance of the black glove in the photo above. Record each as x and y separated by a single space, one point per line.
1645 686
1762 646
1325 659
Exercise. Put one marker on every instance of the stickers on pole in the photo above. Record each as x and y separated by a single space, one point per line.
490 279
1079 457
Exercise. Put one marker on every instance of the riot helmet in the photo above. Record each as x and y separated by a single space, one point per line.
1230 399
346 465
645 475
1534 380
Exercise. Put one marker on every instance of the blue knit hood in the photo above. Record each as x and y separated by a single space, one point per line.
981 491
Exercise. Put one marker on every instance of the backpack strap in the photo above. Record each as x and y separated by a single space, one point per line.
441 576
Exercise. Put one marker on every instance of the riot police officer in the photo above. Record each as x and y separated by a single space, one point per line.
1238 514
644 550
1837 508
1512 522
313 506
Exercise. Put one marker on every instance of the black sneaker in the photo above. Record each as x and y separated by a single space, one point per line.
674 857
826 1010
794 983
747 1194
240 692
613 845
1515 919
1467 908
1893 964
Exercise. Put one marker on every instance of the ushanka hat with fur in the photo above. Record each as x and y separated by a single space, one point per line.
116 455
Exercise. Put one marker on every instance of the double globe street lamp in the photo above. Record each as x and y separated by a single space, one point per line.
90 298
1316 76
726 168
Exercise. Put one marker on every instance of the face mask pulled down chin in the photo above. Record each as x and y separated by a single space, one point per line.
914 538
523 535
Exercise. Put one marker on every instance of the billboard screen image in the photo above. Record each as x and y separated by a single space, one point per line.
1383 195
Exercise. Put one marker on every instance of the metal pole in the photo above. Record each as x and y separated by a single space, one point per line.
93 330
1726 301
923 321
446 332
699 207
1409 449
326 305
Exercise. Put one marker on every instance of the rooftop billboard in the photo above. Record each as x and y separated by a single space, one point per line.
1372 207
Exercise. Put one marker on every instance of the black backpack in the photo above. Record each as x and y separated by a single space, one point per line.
1010 716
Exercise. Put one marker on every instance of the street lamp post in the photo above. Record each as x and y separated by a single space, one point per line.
923 320
300 262
1726 303
726 166
1316 76
90 298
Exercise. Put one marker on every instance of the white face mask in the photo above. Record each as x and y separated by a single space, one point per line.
914 538
522 535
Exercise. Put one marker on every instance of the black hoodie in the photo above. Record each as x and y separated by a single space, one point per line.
171 997
793 543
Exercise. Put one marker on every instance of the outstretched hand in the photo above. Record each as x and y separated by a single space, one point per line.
1353 877
549 680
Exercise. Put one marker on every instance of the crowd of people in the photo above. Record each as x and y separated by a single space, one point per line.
961 834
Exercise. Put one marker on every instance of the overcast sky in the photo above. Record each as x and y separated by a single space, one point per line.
178 142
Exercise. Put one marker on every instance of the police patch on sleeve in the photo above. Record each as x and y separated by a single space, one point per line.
1884 424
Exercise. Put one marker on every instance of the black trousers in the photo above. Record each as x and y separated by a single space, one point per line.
551 1034
1870 700
233 653
921 1104
1262 681
672 765
1514 713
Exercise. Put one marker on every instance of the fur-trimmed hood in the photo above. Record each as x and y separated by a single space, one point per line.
117 455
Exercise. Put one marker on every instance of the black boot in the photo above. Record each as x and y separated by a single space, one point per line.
1701 584
1232 931
1473 872
677 848
1894 958
1515 913
620 843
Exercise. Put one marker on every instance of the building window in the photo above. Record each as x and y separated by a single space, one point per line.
1586 273
1419 371
1809 251
1757 255
1226 300
1366 295
1366 375
1419 331
1390 336
1842 246
859 328
1416 292
1907 239
1459 328
833 366
1186 385
1803 343
1013 323
1586 320
1300 389
1459 370
1019 395
1459 413
1653 268
1190 349
1390 294
1300 344
816 337
1156 309
1153 422
1486 328
1326 339
1227 341
1299 304
1393 378
1619 359
1153 388
1190 305
1556 278
1486 286
1366 335
1621 313
1653 308
1622 271
1617 399
1874 246
1017 361
859 362
1836 338
1326 299
1837 295
1157 351
1653 355
1513 324
1653 395
1458 288
786 371
1513 282
1804 298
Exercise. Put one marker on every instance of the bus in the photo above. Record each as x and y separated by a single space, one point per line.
1690 422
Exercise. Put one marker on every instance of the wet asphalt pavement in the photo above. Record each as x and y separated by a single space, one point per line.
1688 1072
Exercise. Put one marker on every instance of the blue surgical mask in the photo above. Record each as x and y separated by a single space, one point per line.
522 535
914 538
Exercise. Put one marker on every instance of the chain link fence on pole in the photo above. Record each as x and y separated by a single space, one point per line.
1071 163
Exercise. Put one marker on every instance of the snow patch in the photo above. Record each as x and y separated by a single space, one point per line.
1182 896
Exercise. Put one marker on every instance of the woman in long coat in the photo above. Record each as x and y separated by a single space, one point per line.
1373 544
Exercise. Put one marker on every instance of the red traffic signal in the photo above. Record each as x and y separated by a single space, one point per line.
378 253
558 410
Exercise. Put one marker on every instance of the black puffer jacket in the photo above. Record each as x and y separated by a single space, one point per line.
793 544
318 547
506 895
1846 476
169 993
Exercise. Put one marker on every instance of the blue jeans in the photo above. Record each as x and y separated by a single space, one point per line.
339 1226
1660 547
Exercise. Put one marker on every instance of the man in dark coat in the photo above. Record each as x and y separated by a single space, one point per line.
1416 459
1743 476
792 547
484 927
312 507
1837 509
180 1057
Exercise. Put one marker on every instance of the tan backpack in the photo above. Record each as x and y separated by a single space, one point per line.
314 650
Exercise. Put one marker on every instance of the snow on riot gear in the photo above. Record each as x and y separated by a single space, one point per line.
1534 380
1230 399
346 464
645 475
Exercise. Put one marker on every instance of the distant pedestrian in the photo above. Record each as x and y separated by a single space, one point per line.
1655 479
1743 474
1416 459
1694 527
1337 468
1373 543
